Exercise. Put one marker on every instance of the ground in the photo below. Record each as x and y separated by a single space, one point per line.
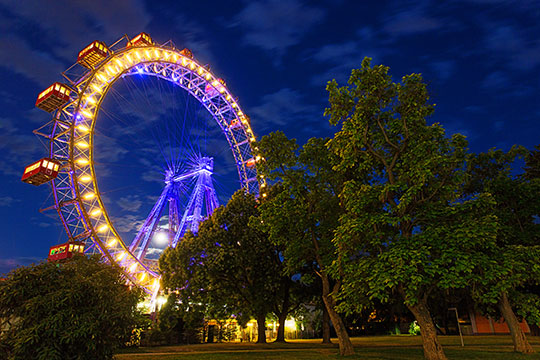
374 348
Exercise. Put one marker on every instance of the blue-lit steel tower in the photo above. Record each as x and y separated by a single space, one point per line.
202 203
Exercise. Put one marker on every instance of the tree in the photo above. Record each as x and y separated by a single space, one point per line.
506 280
229 266
301 213
407 228
532 164
80 309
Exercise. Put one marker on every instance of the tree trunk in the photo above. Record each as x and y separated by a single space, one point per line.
432 347
261 329
345 345
282 316
518 336
281 327
325 326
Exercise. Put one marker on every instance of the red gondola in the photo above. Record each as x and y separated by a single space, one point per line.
143 39
187 53
93 54
54 97
65 251
250 162
41 171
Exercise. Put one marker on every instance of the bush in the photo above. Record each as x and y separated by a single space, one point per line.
80 309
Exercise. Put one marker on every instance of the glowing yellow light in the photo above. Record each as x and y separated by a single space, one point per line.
91 100
147 53
258 157
112 242
156 284
82 145
234 105
215 83
192 66
200 70
156 53
264 195
120 63
133 267
129 58
101 77
85 178
161 300
252 139
95 212
184 61
121 256
240 113
89 195
96 87
175 58
83 128
82 161
138 55
290 324
228 97
103 228
86 113
208 76
143 276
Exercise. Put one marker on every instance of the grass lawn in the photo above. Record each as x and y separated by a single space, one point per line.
374 347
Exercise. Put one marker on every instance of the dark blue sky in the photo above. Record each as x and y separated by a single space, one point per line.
481 59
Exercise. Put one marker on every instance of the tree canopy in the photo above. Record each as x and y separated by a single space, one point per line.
408 229
229 265
80 309
505 281
301 212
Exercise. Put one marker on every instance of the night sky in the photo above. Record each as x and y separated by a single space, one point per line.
480 59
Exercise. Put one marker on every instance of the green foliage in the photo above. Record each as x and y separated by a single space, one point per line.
407 225
229 267
80 309
513 267
414 329
532 164
302 209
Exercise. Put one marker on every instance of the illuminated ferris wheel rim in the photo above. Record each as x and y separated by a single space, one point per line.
167 63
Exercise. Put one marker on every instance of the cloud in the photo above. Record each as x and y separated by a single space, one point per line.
131 203
7 201
410 22
128 224
340 58
8 264
443 69
508 42
65 27
275 25
14 145
284 107
192 36
31 63
495 81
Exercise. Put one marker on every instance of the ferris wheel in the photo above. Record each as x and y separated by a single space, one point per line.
71 169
